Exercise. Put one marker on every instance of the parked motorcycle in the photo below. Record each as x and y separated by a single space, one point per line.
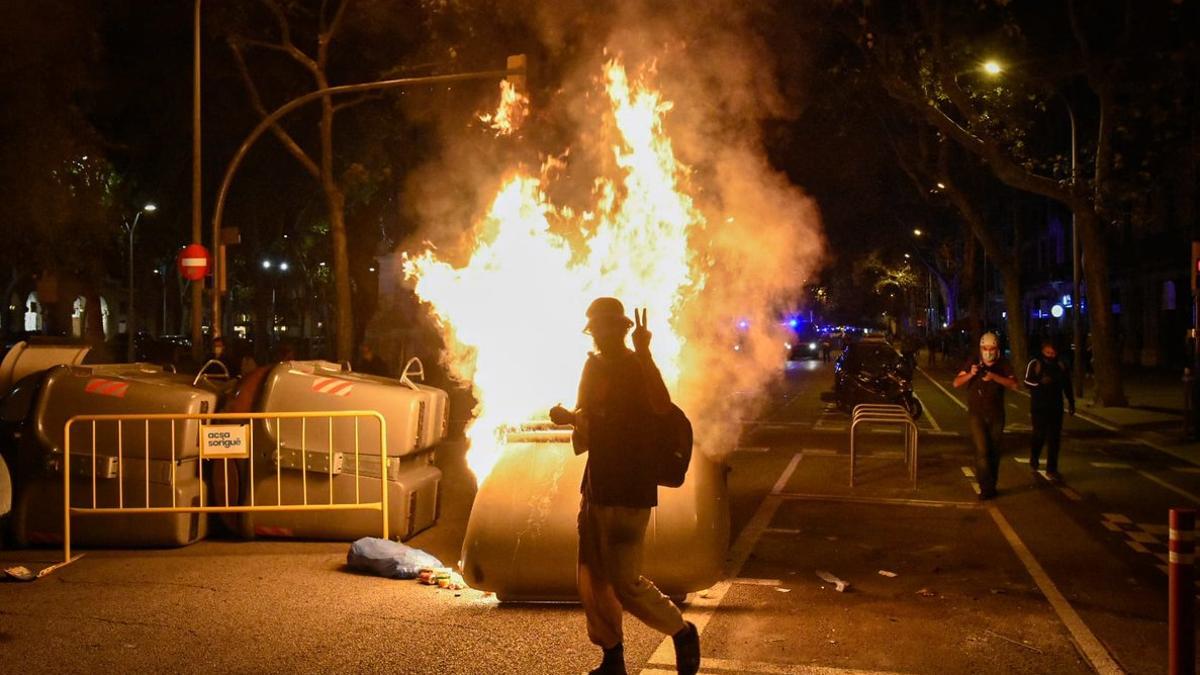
873 372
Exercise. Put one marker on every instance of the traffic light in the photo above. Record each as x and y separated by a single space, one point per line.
518 81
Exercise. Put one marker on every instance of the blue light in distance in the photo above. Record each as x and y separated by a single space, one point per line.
793 323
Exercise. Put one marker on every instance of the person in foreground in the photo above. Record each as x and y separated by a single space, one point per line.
619 392
986 377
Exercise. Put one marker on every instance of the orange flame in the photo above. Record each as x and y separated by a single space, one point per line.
512 316
510 113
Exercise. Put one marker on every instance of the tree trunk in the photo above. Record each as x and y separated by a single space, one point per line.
1017 340
970 280
335 202
1106 360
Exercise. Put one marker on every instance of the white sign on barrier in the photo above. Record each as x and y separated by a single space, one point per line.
225 441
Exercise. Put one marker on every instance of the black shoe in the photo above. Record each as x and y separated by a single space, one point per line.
987 494
687 649
613 662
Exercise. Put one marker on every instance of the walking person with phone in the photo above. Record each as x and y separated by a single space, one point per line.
620 392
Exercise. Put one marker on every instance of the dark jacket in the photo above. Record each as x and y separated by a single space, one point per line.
618 398
1048 382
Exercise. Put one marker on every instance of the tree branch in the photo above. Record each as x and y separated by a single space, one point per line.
327 34
355 101
285 38
256 101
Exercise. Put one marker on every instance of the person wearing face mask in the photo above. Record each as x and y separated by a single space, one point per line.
986 377
1048 381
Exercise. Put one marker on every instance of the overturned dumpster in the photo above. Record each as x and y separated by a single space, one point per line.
522 539
327 460
114 463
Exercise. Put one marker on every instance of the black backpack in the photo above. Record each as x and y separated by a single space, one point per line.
670 446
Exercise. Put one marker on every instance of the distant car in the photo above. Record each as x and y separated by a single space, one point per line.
804 347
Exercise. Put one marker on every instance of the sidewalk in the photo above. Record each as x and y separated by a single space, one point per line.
1154 414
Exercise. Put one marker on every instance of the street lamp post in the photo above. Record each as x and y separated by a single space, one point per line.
130 313
993 68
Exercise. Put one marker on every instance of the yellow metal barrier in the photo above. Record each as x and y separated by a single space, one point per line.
206 419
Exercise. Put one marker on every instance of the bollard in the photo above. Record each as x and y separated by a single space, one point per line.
1181 618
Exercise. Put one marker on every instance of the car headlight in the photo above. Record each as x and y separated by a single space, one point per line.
812 345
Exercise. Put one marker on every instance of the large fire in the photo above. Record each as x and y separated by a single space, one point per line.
512 316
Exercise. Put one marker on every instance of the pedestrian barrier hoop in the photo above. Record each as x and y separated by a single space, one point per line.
335 460
886 413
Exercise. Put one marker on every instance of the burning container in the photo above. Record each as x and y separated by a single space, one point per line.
316 461
134 460
522 537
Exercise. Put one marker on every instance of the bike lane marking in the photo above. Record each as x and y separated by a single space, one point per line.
945 391
705 603
1091 647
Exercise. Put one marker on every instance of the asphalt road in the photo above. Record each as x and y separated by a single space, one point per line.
1044 579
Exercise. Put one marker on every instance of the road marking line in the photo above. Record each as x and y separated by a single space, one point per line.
968 472
782 530
928 415
1172 488
1154 528
704 604
1117 518
1111 465
1102 662
1142 537
887 501
1071 494
746 581
944 390
1021 460
1136 546
976 488
821 452
763 667
1111 526
787 474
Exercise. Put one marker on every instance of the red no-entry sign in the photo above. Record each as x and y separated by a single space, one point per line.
194 262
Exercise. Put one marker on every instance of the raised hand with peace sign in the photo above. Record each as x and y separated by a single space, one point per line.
641 334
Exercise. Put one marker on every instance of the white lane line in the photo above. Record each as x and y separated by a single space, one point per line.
820 452
968 472
787 474
1117 518
928 414
889 501
945 391
782 530
1137 546
700 610
746 581
1102 662
1021 460
763 668
1177 490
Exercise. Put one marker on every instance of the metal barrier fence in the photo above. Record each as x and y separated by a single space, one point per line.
885 413
221 443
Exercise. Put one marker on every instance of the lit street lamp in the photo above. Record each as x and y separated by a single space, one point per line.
130 321
282 267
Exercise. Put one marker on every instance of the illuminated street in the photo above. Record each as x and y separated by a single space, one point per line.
961 598
820 337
